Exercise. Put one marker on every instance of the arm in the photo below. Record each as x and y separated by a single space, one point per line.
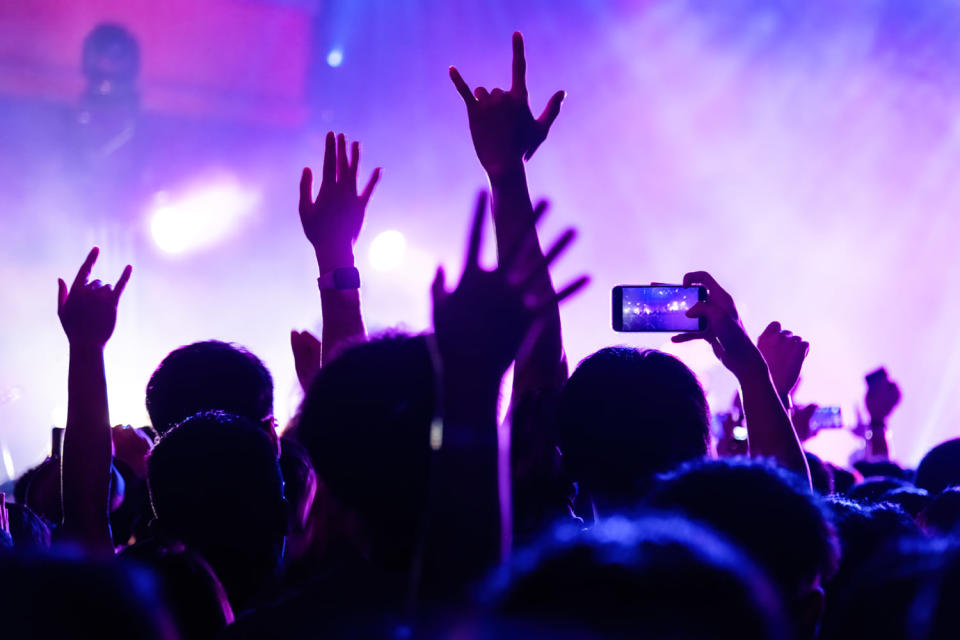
769 430
504 134
331 223
88 313
479 328
883 396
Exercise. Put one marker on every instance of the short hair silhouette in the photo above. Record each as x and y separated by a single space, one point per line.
627 414
365 422
215 485
209 376
940 468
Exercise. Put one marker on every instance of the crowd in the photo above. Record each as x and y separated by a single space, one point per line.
388 507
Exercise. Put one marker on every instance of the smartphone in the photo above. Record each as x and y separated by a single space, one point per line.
826 418
656 308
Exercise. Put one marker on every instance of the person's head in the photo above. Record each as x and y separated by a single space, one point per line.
365 422
215 485
911 499
627 414
942 516
820 474
196 599
60 596
209 376
872 490
771 514
866 529
27 529
940 468
655 576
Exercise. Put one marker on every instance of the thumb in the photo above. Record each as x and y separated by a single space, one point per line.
61 294
439 287
545 121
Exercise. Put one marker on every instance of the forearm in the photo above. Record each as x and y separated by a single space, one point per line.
342 321
877 446
515 228
87 450
465 484
769 430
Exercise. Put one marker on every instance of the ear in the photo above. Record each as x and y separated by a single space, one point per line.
808 612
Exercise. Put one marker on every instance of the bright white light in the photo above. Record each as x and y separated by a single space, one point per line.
200 218
387 251
335 57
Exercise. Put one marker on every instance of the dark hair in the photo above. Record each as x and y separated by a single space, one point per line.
215 485
843 479
866 530
911 499
765 509
365 422
820 474
628 414
873 489
942 515
940 468
115 41
93 599
27 529
209 376
197 601
654 576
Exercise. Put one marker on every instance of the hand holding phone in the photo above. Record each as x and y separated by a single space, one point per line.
660 308
883 395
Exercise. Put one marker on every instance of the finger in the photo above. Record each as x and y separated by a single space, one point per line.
497 93
772 329
697 310
551 111
462 87
439 287
96 284
61 294
354 158
85 269
572 288
329 159
341 157
122 283
545 121
481 93
306 190
690 335
519 85
539 211
476 234
554 252
371 184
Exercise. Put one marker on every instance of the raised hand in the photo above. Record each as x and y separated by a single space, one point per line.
333 219
482 323
784 354
724 331
769 430
307 356
88 310
883 396
503 128
132 446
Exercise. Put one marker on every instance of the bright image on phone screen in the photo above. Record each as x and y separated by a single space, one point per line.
659 308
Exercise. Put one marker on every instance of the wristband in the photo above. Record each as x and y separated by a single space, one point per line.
340 279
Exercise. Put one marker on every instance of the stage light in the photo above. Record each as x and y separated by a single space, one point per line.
387 250
335 57
200 218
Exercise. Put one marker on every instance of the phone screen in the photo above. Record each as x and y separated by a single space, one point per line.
660 308
826 418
